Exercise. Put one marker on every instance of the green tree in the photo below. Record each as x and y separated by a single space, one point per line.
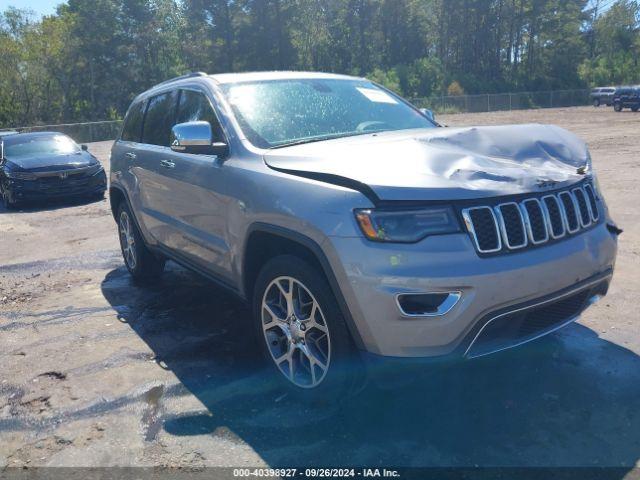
89 59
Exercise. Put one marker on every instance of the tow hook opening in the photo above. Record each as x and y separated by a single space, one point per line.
614 229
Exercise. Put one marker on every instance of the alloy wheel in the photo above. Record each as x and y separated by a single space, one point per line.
127 240
296 332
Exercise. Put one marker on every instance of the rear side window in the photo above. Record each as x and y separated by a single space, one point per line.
133 123
159 119
195 106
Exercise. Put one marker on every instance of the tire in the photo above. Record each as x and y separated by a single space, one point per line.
286 331
7 201
596 102
635 109
140 261
617 107
97 196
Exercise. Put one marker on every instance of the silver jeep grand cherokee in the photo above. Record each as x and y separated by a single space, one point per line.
353 223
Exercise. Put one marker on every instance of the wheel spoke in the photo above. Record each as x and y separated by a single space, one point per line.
320 350
283 357
313 323
287 357
273 315
287 294
313 359
127 240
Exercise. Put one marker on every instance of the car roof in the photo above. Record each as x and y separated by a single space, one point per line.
227 78
277 75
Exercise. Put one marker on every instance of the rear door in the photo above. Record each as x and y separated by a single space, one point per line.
124 155
155 193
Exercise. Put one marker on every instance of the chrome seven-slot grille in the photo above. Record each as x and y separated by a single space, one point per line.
531 221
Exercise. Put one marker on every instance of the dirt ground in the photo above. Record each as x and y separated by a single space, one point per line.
97 371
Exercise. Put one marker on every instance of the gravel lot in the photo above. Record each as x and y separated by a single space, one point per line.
96 371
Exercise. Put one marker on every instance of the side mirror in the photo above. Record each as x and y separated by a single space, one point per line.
84 147
196 138
428 113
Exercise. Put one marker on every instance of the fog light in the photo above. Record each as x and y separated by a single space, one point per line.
427 304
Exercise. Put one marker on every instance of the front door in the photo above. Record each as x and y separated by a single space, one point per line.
196 199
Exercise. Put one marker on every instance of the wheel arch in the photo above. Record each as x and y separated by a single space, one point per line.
265 241
117 195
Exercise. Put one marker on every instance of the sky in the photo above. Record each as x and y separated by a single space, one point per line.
42 7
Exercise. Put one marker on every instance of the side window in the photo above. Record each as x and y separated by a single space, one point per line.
133 123
159 119
195 106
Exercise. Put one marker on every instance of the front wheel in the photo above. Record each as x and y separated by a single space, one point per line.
139 260
301 330
596 102
617 107
635 109
7 200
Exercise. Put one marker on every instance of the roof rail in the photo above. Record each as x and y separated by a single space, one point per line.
182 77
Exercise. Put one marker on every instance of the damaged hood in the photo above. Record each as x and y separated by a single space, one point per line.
442 163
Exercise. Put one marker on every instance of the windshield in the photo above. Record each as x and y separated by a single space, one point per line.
23 147
277 113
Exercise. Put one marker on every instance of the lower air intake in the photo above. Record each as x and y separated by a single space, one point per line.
511 329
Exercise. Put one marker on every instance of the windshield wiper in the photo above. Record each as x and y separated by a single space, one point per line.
320 139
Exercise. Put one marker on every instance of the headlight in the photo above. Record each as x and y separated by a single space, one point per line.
20 175
407 226
96 169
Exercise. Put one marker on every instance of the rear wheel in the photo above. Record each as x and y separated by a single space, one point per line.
139 260
301 329
596 102
635 109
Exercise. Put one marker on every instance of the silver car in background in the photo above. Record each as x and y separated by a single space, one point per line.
354 225
602 96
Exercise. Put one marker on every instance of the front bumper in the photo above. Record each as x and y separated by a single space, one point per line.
372 275
32 190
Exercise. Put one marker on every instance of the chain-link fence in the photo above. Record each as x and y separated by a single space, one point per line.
81 132
109 130
504 101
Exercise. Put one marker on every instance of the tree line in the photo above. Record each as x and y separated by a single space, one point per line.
88 61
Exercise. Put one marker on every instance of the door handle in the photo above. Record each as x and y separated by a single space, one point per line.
167 164
130 155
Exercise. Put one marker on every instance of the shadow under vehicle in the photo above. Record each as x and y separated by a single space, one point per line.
567 400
